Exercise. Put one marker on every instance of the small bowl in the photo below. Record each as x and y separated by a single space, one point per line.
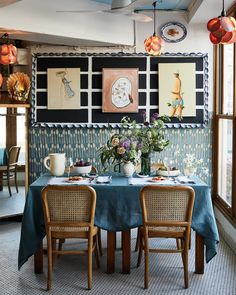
172 173
81 170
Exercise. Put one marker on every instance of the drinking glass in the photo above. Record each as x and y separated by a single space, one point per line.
168 163
68 165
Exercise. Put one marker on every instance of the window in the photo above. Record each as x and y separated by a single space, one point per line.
21 133
224 130
3 112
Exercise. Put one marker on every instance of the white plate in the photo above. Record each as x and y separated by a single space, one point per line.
103 179
75 181
172 173
142 176
156 181
173 32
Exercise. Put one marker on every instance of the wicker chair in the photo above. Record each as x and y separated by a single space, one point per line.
69 213
166 212
10 170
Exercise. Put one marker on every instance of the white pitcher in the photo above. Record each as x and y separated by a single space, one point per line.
56 163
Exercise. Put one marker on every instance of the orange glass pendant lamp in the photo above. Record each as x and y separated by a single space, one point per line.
8 52
222 28
1 80
154 44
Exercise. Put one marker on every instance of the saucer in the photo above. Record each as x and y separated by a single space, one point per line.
142 176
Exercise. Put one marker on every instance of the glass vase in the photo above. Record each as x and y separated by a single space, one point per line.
146 164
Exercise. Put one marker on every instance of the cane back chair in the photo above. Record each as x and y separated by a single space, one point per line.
166 213
69 213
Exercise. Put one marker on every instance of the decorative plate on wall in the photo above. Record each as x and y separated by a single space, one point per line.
173 32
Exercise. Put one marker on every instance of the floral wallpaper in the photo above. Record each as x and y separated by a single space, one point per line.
84 143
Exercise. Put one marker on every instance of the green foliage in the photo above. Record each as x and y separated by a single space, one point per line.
135 139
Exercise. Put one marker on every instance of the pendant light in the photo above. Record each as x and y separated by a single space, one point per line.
222 28
154 44
8 52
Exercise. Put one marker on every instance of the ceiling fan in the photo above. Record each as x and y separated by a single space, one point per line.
125 7
4 3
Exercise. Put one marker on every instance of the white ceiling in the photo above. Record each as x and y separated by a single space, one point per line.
39 21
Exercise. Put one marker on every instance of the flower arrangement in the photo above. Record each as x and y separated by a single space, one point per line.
134 140
149 134
192 164
120 148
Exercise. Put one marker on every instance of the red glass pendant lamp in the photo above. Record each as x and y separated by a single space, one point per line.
222 28
8 52
154 44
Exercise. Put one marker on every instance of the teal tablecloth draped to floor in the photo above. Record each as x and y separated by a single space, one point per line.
117 209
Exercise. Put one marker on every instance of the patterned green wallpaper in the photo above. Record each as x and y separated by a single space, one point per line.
84 143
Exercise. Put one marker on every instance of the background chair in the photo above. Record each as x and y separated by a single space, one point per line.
10 170
166 213
69 213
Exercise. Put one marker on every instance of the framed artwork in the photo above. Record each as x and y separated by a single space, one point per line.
144 90
120 90
177 89
63 88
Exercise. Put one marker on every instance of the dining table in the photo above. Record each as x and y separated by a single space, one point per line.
118 210
3 162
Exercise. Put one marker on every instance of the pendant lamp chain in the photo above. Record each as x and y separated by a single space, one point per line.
154 44
154 16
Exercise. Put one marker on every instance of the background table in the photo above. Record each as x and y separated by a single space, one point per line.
118 209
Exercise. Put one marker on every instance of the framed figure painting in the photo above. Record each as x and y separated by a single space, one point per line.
120 90
177 89
63 88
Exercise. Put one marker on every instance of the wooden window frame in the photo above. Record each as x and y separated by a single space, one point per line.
228 211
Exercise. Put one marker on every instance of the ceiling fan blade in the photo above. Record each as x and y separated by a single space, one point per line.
139 17
4 3
81 11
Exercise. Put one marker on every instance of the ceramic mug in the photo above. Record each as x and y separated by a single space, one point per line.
56 163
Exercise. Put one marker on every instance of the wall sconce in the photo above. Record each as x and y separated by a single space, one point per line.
222 28
154 44
8 52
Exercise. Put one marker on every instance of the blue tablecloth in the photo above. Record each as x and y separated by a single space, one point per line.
3 157
117 209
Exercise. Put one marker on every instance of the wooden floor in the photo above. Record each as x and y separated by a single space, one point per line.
14 205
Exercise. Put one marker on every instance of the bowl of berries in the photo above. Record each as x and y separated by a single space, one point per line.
81 168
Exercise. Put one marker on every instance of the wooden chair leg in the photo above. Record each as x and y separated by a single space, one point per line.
16 184
146 263
185 261
178 244
99 240
90 258
49 281
54 256
137 240
96 252
61 241
189 241
140 251
8 183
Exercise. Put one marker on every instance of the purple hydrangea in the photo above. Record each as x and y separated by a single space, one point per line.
143 114
139 146
154 116
126 144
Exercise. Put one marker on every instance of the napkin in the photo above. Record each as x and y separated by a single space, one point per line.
185 179
103 179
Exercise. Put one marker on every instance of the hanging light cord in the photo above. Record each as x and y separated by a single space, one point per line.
154 15
223 13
